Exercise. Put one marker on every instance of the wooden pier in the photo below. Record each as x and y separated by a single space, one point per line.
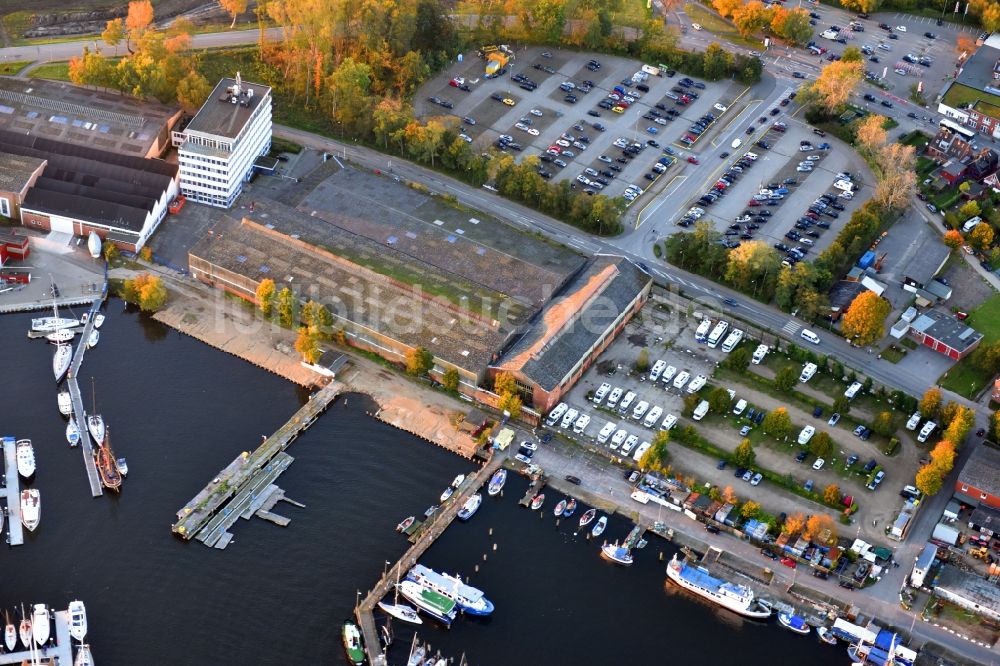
634 536
238 487
79 413
13 492
429 531
60 652
536 486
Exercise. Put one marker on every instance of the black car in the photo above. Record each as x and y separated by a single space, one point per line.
572 479
886 103
768 554
750 130
570 99
598 126
874 58
819 573
870 98
798 75
760 417
846 584
781 247
711 529
801 456
740 471
930 35
595 114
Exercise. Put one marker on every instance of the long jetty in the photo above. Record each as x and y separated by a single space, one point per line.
12 489
235 491
429 531
57 651
79 413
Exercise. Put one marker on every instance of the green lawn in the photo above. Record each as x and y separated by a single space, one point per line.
717 25
966 377
51 70
12 68
960 95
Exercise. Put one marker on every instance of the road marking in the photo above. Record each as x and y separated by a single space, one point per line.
659 199
791 327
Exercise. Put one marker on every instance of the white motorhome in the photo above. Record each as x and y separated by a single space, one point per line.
606 432
556 413
568 419
668 374
669 421
732 340
618 439
640 410
601 392
700 410
852 390
581 424
701 334
653 416
615 397
759 354
641 451
971 224
697 383
630 442
808 370
926 431
913 422
656 370
682 379
716 335
626 402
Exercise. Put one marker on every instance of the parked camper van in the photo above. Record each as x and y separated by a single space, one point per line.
808 370
556 413
700 410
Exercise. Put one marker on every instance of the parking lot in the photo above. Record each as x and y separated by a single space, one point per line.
534 120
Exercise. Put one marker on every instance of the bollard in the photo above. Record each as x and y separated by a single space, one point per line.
484 557
491 531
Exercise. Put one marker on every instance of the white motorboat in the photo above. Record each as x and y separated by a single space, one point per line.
599 527
95 426
65 403
98 320
77 620
83 656
31 508
10 634
794 623
25 458
470 507
458 481
122 466
448 492
60 336
61 359
95 337
826 635
496 483
72 433
40 624
617 554
401 612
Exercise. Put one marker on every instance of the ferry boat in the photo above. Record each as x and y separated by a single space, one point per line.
25 458
31 508
77 620
560 507
794 623
469 599
352 643
826 635
433 603
617 554
72 433
401 612
65 403
496 483
537 502
570 508
405 523
83 656
61 359
40 624
60 336
602 523
470 507
587 517
737 598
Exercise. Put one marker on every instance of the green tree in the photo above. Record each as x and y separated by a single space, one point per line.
265 296
419 361
791 24
450 379
511 403
719 400
750 509
786 378
753 267
110 251
969 209
821 445
744 455
642 361
883 424
842 405
739 359
777 423
287 306
318 319
852 54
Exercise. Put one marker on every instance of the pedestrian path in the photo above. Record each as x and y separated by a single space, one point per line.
791 327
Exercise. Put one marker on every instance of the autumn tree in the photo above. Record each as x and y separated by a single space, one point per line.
137 21
864 321
948 413
832 494
791 25
750 18
288 306
318 319
867 6
265 296
307 345
450 379
794 523
821 445
510 403
786 378
753 266
145 290
744 454
419 361
821 529
895 171
92 69
652 460
883 424
834 85
504 382
988 12
114 33
777 423
871 134
960 425
750 509
929 479
234 8
729 495
964 45
727 8
930 403
953 239
192 90
981 237
943 456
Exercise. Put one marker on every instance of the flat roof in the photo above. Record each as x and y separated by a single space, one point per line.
969 586
944 328
16 170
977 72
982 470
219 116
83 116
961 96
919 258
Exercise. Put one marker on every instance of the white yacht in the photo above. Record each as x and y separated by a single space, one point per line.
31 508
65 403
61 360
95 337
40 624
25 458
73 433
95 425
77 620
50 324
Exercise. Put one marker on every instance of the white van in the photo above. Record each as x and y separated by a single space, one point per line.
740 406
668 374
618 439
581 424
701 334
629 444
626 402
669 421
697 383
852 390
640 410
601 392
641 451
658 367
606 431
806 334
654 415
759 354
806 435
808 370
913 422
926 431
700 410
556 413
682 379
971 224
614 397
568 419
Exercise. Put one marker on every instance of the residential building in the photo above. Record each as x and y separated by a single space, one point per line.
979 481
973 99
968 590
217 149
944 334
948 144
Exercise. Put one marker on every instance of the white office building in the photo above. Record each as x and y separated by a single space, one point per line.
218 147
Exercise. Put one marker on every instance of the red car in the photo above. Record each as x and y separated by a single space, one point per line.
753 202
788 562
692 159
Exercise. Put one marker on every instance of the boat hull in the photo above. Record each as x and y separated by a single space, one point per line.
25 454
401 612
52 324
675 577
10 637
31 508
471 506
787 622
72 433
411 594
600 527
351 635
95 426
617 555
61 359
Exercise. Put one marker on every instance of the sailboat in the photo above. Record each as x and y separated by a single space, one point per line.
25 629
40 624
83 656
72 433
107 467
10 633
77 620
95 423
398 610
55 322
61 359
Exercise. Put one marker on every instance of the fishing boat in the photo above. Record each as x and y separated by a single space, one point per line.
617 554
405 523
794 623
60 336
732 596
537 501
433 603
40 624
25 458
352 643
61 359
25 629
879 647
83 656
77 620
122 466
587 517
470 507
496 483
72 433
458 481
469 599
570 508
106 468
10 633
401 612
446 495
65 403
602 523
559 508
98 320
95 337
826 635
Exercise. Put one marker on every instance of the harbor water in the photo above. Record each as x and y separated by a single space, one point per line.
179 411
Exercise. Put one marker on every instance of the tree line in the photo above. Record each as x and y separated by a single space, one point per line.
790 25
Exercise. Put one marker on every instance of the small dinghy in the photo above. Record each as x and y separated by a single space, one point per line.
72 433
98 320
560 508
826 635
599 527
537 502
448 492
405 524
588 517
570 508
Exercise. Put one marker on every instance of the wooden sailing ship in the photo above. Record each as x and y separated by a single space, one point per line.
107 467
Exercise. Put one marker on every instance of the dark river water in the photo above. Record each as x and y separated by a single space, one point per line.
180 411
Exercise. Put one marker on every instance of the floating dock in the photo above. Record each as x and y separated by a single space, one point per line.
429 531
13 492
536 487
79 413
60 652
238 488
634 536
